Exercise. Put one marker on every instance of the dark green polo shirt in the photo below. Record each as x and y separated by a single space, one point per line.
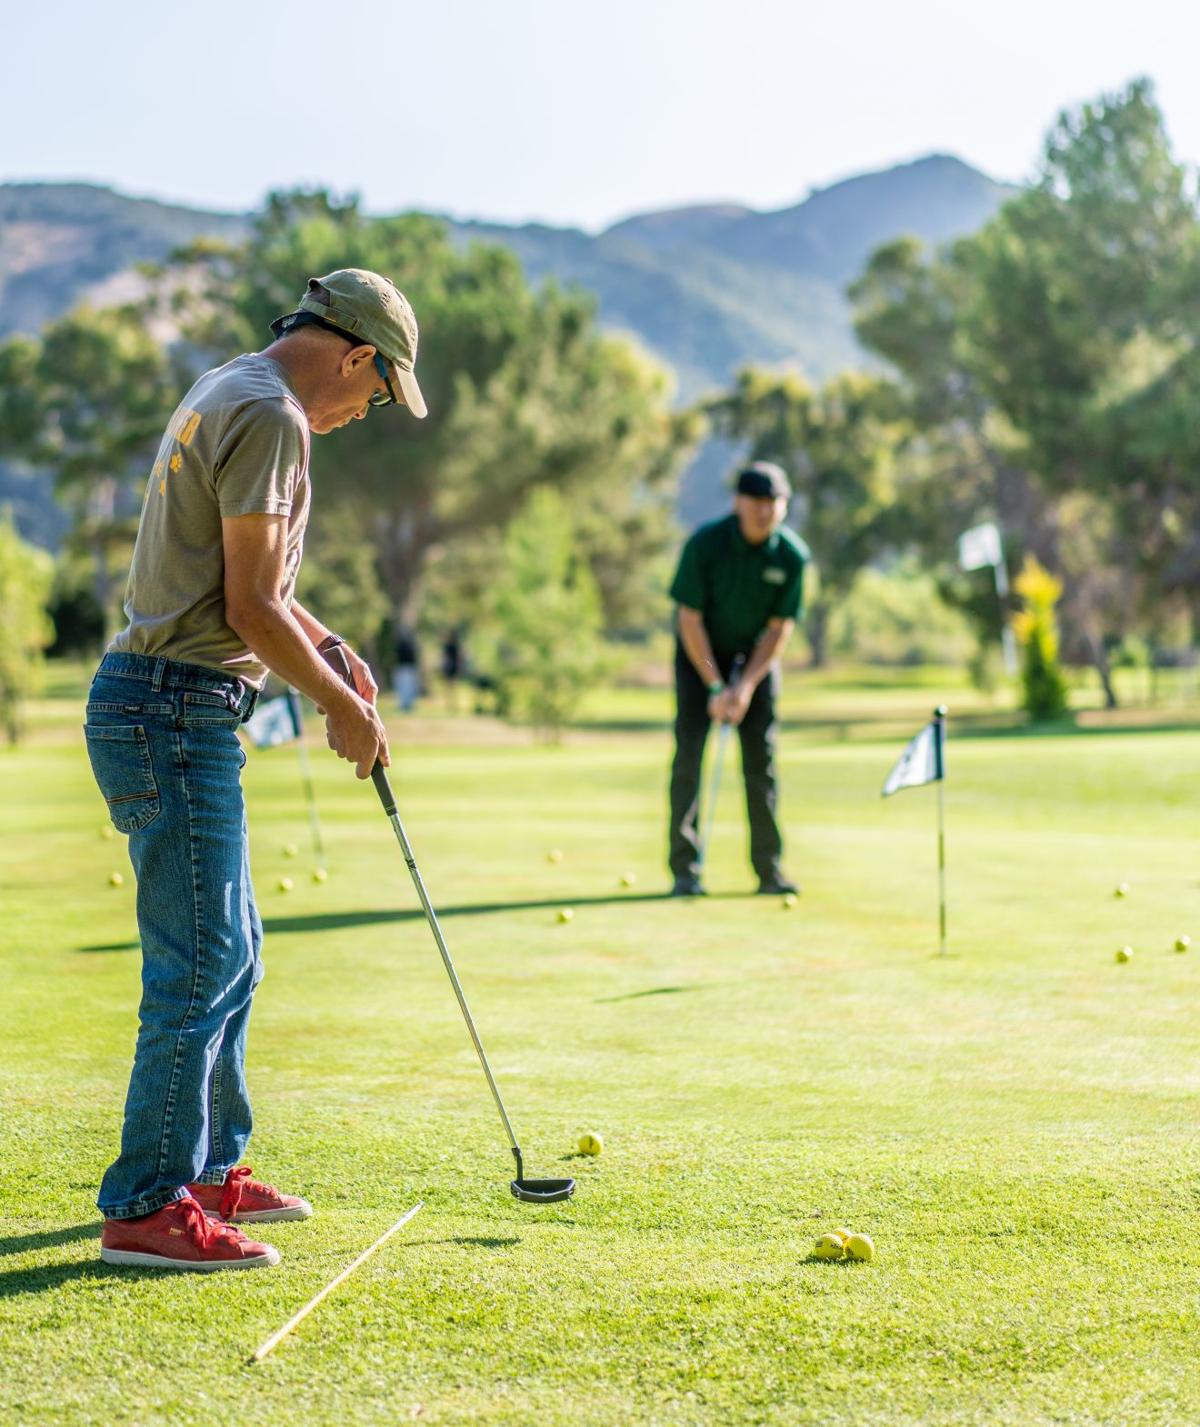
737 587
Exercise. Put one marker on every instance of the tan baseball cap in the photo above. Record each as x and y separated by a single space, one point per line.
372 308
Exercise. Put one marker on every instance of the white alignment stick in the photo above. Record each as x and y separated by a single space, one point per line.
278 1337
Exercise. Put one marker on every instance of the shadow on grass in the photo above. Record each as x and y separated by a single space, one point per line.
335 921
469 1243
48 1238
17 1281
638 995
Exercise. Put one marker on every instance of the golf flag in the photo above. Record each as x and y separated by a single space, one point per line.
980 546
920 763
275 721
924 761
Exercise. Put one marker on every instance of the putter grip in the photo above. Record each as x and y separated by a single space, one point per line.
337 661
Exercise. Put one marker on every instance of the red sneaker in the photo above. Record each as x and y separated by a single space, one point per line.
242 1200
180 1235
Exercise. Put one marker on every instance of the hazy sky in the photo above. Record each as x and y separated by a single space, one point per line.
557 110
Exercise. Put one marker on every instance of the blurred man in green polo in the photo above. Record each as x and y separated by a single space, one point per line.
211 610
738 590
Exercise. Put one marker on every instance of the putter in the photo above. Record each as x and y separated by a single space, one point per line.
715 784
529 1191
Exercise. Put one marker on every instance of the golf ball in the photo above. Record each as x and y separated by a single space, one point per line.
590 1144
116 880
790 900
1124 953
1121 889
828 1246
290 849
565 914
1182 943
285 884
629 879
108 832
554 856
860 1247
319 874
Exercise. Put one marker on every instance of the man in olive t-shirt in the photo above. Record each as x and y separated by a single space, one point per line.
211 608
739 590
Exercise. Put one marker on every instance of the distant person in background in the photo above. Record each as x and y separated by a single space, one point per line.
453 665
738 590
406 676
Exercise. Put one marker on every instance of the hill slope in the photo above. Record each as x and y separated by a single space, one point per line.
707 288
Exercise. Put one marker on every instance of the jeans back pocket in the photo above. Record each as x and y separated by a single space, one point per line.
120 758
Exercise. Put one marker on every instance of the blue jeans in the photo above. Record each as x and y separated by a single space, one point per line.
162 743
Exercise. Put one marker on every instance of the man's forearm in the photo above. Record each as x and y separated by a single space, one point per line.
694 638
314 630
770 646
284 644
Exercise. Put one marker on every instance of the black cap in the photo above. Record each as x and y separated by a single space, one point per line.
763 479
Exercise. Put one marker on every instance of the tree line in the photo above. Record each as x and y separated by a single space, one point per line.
1041 372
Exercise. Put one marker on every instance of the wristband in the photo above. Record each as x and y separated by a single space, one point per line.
715 689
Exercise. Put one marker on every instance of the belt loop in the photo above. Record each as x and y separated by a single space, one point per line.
160 669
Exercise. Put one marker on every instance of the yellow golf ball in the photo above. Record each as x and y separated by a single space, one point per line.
790 900
860 1247
590 1144
1182 943
116 880
565 914
108 832
1124 953
555 856
319 874
1121 889
290 849
629 879
285 884
828 1246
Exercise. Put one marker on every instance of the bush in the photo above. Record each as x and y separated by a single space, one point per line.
26 574
545 619
1044 689
898 617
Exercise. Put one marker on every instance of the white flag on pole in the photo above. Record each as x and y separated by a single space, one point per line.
274 721
918 764
980 546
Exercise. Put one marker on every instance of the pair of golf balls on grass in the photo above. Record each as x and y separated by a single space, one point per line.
842 1244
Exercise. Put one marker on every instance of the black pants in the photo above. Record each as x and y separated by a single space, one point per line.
757 733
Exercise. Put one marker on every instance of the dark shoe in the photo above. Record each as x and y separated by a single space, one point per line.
778 886
688 886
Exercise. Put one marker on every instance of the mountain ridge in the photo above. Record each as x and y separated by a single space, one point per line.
706 287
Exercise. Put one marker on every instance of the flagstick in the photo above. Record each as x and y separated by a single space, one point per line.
939 722
310 796
276 1338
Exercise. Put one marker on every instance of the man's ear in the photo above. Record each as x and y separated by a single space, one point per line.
356 358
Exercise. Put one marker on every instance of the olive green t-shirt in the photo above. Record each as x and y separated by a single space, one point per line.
237 445
737 587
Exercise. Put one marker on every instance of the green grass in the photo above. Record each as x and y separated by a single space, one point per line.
1014 1125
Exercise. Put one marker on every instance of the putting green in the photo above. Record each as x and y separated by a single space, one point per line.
1014 1127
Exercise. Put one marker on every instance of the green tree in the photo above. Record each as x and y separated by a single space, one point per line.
26 575
88 401
1048 363
546 618
523 391
839 444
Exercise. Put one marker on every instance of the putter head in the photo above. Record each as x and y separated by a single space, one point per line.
542 1191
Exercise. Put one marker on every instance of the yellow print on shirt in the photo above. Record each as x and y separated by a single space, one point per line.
184 425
